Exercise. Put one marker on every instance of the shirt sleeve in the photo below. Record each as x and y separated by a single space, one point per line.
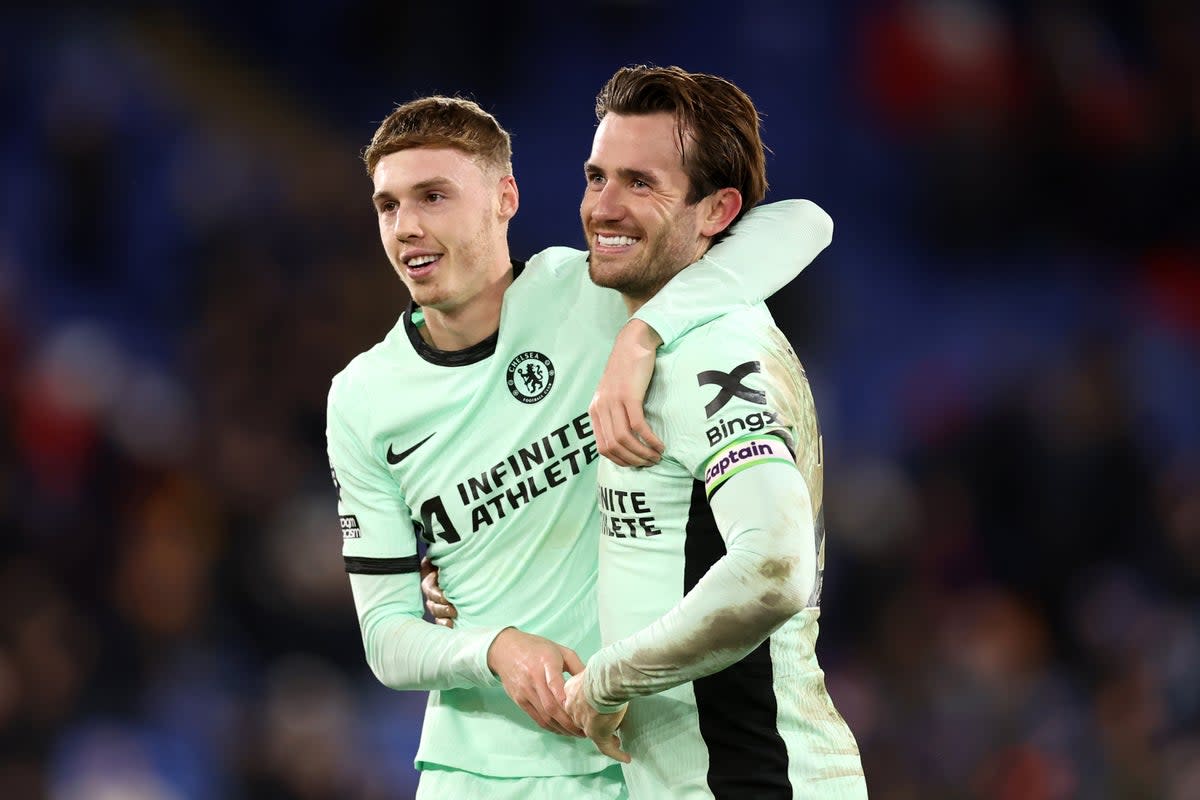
764 579
380 551
767 248
761 503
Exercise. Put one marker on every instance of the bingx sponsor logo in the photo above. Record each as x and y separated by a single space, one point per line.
731 386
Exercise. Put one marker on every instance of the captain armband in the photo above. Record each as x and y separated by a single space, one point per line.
740 455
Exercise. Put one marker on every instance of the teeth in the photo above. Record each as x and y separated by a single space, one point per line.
420 261
614 241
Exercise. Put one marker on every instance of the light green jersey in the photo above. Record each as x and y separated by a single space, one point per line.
732 403
488 455
439 783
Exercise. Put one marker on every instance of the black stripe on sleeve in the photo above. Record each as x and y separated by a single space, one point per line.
360 565
736 707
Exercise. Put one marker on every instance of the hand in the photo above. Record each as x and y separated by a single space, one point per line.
600 728
531 669
443 611
622 434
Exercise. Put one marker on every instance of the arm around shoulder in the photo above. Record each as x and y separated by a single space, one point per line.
773 243
763 252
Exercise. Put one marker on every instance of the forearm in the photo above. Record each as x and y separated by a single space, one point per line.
767 248
765 578
406 652
714 626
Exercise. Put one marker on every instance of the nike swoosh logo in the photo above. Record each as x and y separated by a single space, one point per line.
396 458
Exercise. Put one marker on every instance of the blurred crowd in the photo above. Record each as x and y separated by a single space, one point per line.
1004 341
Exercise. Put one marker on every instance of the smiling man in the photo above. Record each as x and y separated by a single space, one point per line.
468 427
710 560
458 271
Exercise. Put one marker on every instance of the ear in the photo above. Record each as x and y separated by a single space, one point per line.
721 208
510 198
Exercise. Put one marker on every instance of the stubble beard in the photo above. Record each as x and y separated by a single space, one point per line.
643 277
461 282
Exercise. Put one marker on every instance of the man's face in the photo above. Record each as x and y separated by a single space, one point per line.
442 221
639 228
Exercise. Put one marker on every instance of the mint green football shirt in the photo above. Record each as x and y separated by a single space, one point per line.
488 456
728 398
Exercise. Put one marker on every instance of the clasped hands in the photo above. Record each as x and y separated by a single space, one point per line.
531 670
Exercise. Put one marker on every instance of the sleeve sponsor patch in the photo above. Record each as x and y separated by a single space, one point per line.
740 455
350 528
731 386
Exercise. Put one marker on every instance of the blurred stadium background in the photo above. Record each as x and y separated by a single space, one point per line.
1004 340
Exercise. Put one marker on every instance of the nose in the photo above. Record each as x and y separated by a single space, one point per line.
406 224
606 203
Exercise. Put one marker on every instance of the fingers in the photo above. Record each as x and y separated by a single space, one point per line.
429 582
440 608
572 662
443 613
544 721
538 700
539 707
610 427
531 671
554 701
611 747
602 730
640 438
615 439
626 444
622 434
641 429
555 683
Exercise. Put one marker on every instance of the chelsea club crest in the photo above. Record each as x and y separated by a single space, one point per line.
530 376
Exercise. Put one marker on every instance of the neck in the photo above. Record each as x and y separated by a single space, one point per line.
632 304
469 324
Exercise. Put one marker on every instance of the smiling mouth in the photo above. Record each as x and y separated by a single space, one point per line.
422 265
614 242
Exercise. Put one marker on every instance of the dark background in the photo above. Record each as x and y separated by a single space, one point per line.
1003 339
